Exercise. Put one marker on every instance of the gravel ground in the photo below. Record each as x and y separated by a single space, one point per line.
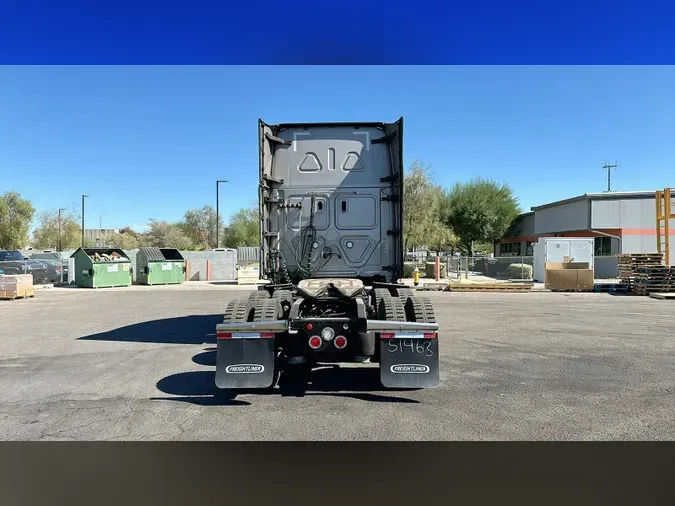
138 363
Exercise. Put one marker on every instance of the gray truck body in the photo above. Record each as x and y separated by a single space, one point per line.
331 214
353 172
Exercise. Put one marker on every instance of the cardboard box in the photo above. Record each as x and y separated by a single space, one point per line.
19 285
248 274
577 276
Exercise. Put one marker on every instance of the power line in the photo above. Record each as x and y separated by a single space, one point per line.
609 168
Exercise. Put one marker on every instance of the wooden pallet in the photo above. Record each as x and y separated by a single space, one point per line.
13 297
662 296
646 289
489 287
639 269
645 293
639 257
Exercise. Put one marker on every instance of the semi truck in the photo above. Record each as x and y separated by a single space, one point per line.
331 259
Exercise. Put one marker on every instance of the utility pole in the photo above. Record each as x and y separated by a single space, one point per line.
218 211
60 246
609 174
83 197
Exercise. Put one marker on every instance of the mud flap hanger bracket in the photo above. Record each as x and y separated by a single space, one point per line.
278 326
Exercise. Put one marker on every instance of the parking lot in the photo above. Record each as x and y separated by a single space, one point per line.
138 363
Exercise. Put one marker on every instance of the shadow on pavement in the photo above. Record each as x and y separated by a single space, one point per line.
196 388
361 383
207 357
194 329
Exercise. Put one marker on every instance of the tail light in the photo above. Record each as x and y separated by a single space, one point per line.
340 342
315 342
59 269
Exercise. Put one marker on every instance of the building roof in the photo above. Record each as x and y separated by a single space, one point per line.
600 196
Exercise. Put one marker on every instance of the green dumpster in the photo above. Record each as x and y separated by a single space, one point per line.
101 267
159 266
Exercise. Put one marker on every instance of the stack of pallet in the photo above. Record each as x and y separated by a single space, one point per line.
16 286
655 279
631 262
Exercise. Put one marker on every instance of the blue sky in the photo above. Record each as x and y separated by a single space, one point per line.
150 141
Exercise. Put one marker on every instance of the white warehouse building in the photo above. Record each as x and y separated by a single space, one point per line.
619 222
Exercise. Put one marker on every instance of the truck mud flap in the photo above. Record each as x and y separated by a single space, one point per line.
245 360
409 360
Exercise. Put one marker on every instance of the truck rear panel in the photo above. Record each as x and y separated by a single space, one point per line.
330 200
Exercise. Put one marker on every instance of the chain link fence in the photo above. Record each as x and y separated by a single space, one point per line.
42 272
493 267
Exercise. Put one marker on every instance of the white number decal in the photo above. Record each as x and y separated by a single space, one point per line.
422 347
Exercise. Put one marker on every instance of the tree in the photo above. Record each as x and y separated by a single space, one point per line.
16 216
200 226
243 229
126 239
422 218
480 210
46 235
167 235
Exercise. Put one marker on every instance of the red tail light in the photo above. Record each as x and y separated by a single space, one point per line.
315 342
340 342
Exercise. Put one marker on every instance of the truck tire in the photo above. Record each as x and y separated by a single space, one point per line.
420 309
378 294
259 294
404 293
237 311
283 296
391 309
266 310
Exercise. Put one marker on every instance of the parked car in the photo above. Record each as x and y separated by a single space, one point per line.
13 262
54 259
54 270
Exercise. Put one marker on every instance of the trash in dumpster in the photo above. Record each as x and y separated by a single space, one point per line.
104 257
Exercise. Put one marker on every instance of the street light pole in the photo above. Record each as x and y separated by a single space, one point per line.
218 211
83 197
60 246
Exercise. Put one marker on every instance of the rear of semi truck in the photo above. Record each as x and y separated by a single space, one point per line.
331 215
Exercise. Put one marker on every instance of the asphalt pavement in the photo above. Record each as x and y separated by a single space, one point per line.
138 364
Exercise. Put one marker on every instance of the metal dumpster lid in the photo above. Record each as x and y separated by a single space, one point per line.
107 251
152 254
